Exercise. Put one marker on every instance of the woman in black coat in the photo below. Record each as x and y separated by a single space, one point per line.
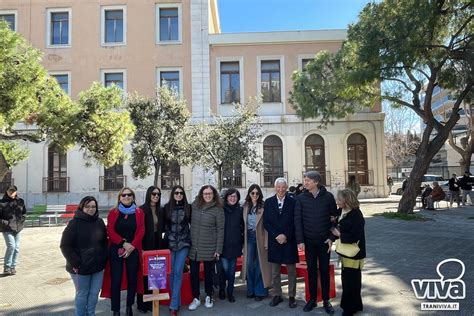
84 245
12 219
153 239
233 240
350 229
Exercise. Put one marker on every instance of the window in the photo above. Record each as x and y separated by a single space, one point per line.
63 81
357 158
270 81
170 79
315 156
113 179
230 82
168 23
58 27
57 179
114 25
304 62
114 76
272 160
170 175
10 18
232 176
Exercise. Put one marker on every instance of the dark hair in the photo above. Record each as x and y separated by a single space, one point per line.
231 191
292 189
215 197
149 191
171 205
11 188
248 198
86 200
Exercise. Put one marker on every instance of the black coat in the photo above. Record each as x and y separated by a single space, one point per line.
454 184
12 214
313 215
177 226
276 224
351 228
233 231
466 183
153 240
84 243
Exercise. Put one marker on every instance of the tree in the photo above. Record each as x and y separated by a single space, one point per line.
159 123
32 100
412 45
228 141
466 143
399 147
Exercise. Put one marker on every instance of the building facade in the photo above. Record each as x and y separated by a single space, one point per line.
141 44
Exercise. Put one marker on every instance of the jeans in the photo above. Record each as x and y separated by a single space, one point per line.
87 292
132 264
465 193
178 259
12 241
254 274
229 271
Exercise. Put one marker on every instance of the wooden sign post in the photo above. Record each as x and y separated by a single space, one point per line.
157 265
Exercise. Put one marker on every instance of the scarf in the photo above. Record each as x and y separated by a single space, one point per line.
127 210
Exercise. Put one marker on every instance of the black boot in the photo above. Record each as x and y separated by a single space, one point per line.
128 311
116 313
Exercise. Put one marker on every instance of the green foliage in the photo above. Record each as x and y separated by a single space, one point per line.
228 141
13 153
401 216
29 96
159 125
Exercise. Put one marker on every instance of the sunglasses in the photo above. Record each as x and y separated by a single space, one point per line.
254 193
179 193
126 195
156 193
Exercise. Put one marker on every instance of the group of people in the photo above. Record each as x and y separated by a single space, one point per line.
107 258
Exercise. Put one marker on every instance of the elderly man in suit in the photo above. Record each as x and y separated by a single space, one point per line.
278 221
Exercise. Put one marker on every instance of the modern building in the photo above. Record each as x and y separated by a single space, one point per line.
138 44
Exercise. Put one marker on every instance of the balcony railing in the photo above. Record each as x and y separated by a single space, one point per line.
235 181
363 177
5 184
325 176
56 184
268 178
112 183
168 181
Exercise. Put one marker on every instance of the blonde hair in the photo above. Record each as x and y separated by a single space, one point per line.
120 193
349 197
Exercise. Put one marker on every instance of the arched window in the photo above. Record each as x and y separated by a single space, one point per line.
272 159
314 155
170 175
357 158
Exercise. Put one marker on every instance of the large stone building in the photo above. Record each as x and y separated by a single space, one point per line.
137 44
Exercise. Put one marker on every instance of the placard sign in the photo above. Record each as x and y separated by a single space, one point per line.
157 273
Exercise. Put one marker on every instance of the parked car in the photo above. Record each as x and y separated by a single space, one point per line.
427 179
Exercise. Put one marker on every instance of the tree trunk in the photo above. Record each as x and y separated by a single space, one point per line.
465 162
219 179
157 174
3 166
426 151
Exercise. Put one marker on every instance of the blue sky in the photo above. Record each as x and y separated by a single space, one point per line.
286 15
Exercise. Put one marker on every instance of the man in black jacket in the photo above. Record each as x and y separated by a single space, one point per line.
466 187
313 211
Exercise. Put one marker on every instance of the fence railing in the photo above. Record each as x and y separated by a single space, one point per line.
56 184
363 177
234 181
325 176
112 183
267 179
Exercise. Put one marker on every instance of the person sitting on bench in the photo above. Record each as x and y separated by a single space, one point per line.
436 195
426 192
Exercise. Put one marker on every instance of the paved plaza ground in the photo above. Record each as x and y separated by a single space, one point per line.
398 251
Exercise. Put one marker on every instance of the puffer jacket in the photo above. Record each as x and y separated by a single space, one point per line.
84 243
207 231
177 229
12 214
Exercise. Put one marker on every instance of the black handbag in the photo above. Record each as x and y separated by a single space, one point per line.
218 274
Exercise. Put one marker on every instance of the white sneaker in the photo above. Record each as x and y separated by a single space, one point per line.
209 302
195 304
